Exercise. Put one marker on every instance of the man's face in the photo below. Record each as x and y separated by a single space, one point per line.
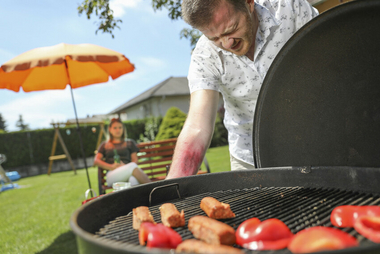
230 30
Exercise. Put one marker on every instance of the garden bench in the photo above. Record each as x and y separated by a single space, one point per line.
154 158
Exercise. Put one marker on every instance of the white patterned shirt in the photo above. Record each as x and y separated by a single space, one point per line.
238 78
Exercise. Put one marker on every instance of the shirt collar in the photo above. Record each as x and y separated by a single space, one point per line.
267 21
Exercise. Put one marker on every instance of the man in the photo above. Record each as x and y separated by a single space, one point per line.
239 42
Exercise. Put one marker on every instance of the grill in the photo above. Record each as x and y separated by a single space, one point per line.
299 196
297 207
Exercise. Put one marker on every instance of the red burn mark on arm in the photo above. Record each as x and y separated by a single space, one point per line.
188 162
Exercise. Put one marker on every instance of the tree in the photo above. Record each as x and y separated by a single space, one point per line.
20 124
151 129
3 126
108 23
102 9
171 124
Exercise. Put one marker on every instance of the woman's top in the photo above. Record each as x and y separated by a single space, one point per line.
124 150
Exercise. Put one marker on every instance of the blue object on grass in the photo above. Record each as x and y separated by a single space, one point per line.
9 187
13 175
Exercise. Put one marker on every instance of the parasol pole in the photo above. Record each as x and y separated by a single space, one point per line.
80 139
78 129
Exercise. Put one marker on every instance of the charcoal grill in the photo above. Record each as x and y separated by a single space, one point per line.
316 143
301 197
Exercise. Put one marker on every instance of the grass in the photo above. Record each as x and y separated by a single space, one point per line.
35 218
218 159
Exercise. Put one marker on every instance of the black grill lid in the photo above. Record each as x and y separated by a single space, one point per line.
320 101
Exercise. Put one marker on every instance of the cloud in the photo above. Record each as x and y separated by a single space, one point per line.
5 56
39 109
153 62
145 66
119 6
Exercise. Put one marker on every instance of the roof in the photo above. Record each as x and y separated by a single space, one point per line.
172 86
95 119
88 120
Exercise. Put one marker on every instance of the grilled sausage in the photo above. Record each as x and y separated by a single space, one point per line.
215 209
211 231
141 214
170 216
196 246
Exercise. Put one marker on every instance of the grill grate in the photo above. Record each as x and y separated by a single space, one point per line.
297 207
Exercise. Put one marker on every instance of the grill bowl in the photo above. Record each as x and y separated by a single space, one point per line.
312 187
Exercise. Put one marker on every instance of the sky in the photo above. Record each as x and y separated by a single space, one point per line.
150 40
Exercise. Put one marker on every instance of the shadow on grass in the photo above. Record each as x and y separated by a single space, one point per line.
63 244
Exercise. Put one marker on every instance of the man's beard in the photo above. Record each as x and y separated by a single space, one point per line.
248 36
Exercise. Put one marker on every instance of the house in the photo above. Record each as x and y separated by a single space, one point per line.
172 92
95 119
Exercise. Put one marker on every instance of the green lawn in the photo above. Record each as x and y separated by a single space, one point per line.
35 218
218 159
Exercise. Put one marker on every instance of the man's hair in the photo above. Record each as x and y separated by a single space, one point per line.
199 13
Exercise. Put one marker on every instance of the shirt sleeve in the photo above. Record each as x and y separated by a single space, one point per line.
102 149
204 70
133 146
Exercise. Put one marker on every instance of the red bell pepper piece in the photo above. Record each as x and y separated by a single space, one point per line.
345 216
158 236
88 200
321 239
271 234
369 227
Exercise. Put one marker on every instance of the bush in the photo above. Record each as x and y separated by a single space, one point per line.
220 137
174 120
151 129
134 128
34 147
24 148
171 124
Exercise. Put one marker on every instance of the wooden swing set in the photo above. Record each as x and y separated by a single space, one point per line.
66 155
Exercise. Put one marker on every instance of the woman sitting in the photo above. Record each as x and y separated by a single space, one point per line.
119 157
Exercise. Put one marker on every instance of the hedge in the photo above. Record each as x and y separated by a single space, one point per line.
24 148
34 147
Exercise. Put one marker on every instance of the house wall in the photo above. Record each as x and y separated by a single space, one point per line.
132 112
158 106
181 102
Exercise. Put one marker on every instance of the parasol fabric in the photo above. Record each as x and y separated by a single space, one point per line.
56 66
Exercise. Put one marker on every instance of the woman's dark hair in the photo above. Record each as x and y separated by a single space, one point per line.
116 120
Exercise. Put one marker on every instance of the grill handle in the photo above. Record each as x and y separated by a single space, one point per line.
164 186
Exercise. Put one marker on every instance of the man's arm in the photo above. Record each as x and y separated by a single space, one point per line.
196 134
